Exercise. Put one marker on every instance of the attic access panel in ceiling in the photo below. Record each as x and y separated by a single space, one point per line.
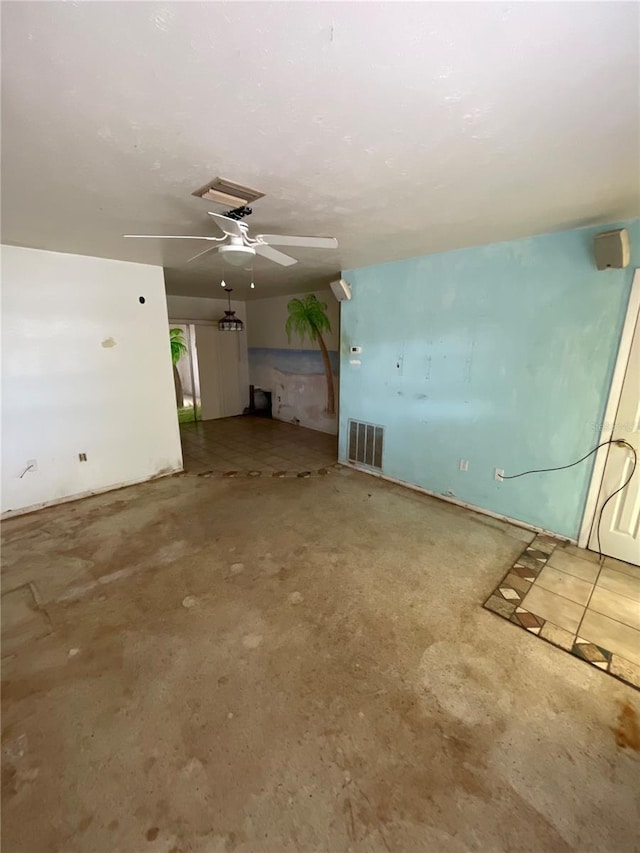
227 192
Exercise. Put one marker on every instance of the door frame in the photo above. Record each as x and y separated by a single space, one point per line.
608 420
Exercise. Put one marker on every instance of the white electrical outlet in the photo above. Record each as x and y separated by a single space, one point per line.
498 474
464 465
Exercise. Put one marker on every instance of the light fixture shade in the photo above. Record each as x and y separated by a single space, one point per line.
230 323
237 256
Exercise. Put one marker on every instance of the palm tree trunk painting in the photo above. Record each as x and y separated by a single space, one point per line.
178 349
331 399
308 316
178 386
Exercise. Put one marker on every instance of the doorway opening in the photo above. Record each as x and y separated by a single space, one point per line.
242 395
185 372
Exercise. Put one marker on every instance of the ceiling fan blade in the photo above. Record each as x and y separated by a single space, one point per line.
172 237
229 226
308 242
193 257
274 255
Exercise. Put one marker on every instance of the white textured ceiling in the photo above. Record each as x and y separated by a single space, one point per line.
402 129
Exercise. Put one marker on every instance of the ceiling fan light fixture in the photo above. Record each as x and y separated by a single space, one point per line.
237 255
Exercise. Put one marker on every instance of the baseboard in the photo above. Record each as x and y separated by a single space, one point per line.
480 510
14 513
303 425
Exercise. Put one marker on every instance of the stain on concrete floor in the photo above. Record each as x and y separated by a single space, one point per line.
343 691
627 731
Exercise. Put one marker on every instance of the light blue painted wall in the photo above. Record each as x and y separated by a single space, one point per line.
506 354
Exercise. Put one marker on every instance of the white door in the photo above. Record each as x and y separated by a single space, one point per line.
208 373
218 360
620 525
228 344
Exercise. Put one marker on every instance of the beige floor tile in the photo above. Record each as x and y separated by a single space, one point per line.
618 607
501 606
574 565
562 612
611 635
619 582
625 669
625 568
516 582
564 584
255 444
558 636
581 553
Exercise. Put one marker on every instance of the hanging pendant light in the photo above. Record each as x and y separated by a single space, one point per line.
230 323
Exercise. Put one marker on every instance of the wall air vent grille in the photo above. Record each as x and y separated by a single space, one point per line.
365 444
227 192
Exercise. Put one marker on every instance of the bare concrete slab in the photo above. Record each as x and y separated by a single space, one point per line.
297 665
22 620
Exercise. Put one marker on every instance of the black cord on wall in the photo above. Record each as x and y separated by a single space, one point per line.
620 442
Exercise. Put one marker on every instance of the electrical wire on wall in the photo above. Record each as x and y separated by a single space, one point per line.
620 442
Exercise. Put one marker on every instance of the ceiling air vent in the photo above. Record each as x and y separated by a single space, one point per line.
365 444
226 192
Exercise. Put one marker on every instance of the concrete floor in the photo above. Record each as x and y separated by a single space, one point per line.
294 665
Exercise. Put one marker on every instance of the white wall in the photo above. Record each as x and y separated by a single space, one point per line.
86 368
194 308
267 317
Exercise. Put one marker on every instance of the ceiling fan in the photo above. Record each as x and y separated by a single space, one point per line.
239 249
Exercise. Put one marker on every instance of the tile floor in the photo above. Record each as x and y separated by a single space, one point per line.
252 446
570 598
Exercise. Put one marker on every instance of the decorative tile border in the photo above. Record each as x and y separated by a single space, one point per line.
506 600
590 652
255 473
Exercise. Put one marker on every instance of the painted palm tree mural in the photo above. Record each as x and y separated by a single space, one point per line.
178 350
308 317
